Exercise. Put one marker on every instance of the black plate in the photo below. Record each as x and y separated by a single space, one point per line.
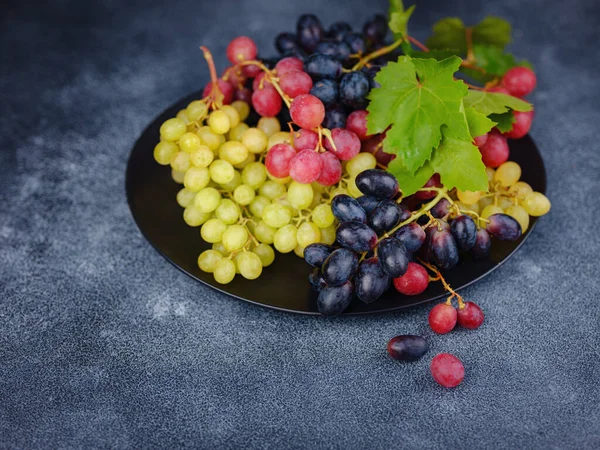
284 285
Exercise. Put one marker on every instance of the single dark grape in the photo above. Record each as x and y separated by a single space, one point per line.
296 53
376 28
370 281
440 209
354 88
411 235
407 347
444 249
425 252
393 257
356 42
385 216
285 42
339 266
483 243
316 254
503 227
335 117
333 300
368 203
337 50
310 31
326 90
465 232
320 66
316 279
356 236
377 183
339 30
345 209
371 72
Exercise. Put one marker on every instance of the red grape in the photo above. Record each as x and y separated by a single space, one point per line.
234 76
414 281
295 83
447 370
307 111
225 87
434 181
442 318
306 166
331 171
241 48
250 71
357 123
373 145
347 144
480 140
305 139
243 94
521 126
495 151
278 160
519 81
256 83
471 316
266 101
288 64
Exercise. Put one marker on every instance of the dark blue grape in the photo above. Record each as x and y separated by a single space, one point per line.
326 90
465 232
503 227
377 183
296 53
354 88
393 257
320 66
337 50
376 28
368 203
411 235
345 209
310 31
285 42
356 236
339 30
339 266
440 209
483 243
335 117
371 72
316 279
316 254
333 300
356 42
385 216
444 249
407 347
425 252
370 281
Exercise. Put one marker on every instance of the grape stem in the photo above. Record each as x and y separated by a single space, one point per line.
215 97
270 77
376 54
417 43
447 287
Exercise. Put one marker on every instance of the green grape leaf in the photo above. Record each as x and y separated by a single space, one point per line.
494 61
448 33
492 31
479 124
494 103
410 183
416 97
504 122
398 18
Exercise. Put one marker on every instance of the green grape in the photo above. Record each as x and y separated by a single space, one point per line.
280 137
299 251
269 125
185 197
462 206
265 253
232 114
258 205
227 211
221 172
233 152
285 239
490 174
208 259
520 189
352 189
194 217
272 190
316 201
196 178
322 215
308 233
505 202
219 247
224 272
508 173
299 195
234 238
189 141
328 235
255 140
361 162
243 194
469 197
235 182
207 200
218 121
210 139
285 202
164 151
196 110
235 134
177 176
276 215
249 159
172 129
183 116
490 210
249 265
264 233
536 204
242 108
520 215
254 175
485 201
285 180
338 191
201 156
318 188
212 230
180 161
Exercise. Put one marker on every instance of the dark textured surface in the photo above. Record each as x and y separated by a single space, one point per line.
104 344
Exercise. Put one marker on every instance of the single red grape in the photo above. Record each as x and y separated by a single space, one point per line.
471 316
307 111
480 140
304 138
357 123
266 101
240 49
434 181
521 126
447 370
288 64
519 81
499 90
225 87
243 94
347 144
495 151
256 83
295 83
251 71
331 171
414 281
442 318
306 166
278 160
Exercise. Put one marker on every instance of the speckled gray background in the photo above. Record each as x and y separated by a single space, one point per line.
105 345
